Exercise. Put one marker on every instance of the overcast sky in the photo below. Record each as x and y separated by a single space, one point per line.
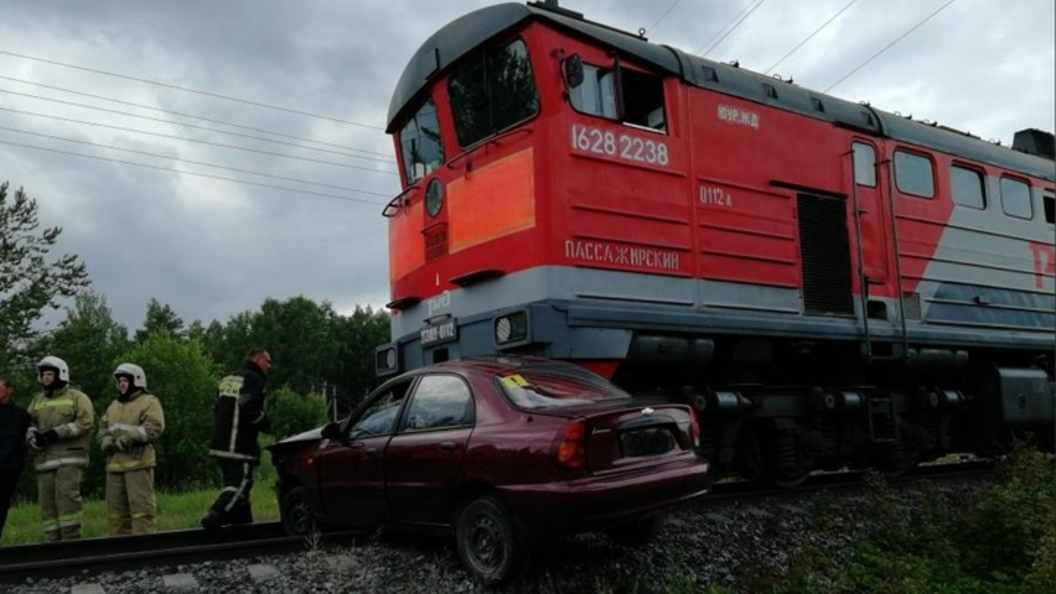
212 248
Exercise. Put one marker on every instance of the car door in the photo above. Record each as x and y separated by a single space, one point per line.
352 470
424 457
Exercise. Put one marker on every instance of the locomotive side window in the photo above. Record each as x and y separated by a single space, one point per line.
967 187
864 164
632 97
1015 199
914 175
597 95
420 143
1050 209
493 93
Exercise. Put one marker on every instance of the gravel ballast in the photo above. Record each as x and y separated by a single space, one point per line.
726 545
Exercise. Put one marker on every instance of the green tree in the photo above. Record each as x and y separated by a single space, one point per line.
30 280
160 318
297 334
89 340
357 336
182 376
290 413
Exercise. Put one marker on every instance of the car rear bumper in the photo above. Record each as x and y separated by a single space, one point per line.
585 503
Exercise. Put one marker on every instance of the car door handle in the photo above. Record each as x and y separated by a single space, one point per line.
370 452
447 446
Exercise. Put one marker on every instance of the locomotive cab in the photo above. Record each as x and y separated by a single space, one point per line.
481 200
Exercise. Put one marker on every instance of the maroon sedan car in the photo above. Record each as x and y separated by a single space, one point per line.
498 451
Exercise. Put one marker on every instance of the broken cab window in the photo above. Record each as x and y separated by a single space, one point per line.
420 145
641 102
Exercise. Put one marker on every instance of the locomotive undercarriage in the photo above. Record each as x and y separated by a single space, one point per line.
775 410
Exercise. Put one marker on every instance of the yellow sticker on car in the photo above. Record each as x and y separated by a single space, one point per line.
515 381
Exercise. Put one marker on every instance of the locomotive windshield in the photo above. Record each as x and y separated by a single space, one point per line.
494 92
420 144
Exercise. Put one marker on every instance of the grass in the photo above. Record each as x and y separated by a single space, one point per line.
176 511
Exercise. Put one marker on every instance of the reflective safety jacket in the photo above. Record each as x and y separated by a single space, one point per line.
69 412
238 415
137 422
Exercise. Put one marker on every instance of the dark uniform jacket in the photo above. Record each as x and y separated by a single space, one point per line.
14 424
238 415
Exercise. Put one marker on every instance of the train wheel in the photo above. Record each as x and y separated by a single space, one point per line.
894 459
787 461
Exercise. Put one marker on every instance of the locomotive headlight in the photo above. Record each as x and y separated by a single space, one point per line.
386 360
511 328
434 197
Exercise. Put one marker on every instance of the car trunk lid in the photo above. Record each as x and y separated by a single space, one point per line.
619 436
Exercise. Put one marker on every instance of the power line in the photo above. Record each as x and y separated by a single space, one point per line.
185 139
191 90
888 46
735 25
191 116
193 126
809 37
181 160
206 175
663 16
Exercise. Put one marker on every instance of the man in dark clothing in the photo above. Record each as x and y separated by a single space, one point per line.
14 426
238 418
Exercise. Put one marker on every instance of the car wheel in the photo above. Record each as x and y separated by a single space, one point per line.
298 516
634 534
490 542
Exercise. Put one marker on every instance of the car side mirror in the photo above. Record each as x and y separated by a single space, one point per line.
572 69
332 431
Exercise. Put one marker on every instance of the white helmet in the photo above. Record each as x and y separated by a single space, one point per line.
139 378
57 364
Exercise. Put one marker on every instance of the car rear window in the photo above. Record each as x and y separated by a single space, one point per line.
556 387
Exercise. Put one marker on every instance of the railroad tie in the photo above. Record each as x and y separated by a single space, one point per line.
87 589
180 581
262 572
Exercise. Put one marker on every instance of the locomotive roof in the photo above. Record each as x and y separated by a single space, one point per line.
462 35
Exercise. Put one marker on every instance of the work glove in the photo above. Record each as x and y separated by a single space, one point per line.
123 443
47 438
107 445
264 426
33 443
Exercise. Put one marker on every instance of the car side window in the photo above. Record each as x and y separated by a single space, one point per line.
440 401
380 417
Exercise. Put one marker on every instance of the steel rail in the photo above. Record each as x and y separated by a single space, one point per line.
123 553
847 481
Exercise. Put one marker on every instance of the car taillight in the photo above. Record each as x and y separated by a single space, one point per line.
572 449
694 428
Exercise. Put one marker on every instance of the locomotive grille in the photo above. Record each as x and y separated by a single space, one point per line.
435 241
826 255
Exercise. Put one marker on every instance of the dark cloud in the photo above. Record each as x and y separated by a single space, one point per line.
211 248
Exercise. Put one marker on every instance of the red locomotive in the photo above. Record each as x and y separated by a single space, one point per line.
826 283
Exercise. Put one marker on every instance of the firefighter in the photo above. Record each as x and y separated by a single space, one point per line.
131 425
59 433
238 418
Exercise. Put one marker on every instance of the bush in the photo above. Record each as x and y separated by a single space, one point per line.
290 413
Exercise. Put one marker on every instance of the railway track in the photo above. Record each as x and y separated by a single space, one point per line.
123 553
184 547
842 482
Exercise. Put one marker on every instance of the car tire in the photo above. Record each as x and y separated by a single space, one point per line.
297 514
634 534
491 542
